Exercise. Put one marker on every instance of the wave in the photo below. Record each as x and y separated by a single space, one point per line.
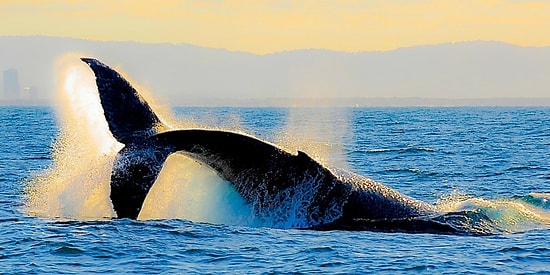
410 170
541 200
396 150
507 215
525 167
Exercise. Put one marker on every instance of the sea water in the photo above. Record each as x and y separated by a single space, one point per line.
55 215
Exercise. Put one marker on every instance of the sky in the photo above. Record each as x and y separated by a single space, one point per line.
264 27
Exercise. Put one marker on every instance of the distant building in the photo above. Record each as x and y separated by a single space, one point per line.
11 84
29 93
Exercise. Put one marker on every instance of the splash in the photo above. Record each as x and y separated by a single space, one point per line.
317 131
186 189
506 215
76 186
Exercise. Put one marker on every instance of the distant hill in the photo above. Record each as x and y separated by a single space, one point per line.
446 74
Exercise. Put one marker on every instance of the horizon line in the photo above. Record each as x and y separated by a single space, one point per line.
311 102
275 52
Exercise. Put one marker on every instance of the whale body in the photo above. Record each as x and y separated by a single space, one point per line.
277 185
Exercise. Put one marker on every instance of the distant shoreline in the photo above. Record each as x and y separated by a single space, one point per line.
453 74
332 102
368 102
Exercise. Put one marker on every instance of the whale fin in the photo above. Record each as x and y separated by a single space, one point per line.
129 116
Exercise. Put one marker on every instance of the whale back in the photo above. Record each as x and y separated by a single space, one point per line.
282 189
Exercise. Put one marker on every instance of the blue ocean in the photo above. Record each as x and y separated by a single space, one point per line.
56 217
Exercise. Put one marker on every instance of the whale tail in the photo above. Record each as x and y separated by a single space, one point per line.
131 121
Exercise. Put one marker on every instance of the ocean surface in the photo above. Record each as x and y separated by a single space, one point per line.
55 215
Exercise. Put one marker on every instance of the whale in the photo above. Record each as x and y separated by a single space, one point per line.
279 186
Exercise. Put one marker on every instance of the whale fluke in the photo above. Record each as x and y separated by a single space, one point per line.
129 116
131 121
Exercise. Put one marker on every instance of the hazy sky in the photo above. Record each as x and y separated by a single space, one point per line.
271 26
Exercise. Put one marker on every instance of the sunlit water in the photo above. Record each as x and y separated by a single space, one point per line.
490 159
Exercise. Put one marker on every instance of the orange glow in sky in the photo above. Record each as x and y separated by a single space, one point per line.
272 26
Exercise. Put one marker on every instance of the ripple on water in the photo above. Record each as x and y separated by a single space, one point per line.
68 250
